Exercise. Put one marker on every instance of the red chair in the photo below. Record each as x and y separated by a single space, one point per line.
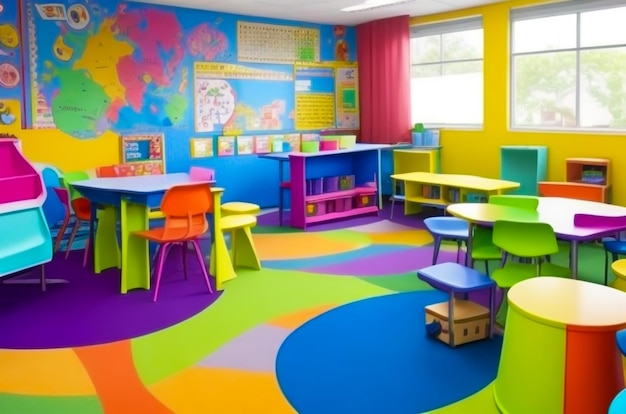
106 171
185 208
82 213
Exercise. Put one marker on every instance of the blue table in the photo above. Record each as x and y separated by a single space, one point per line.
455 278
134 197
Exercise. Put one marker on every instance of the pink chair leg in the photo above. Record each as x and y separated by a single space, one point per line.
68 248
196 247
162 254
61 233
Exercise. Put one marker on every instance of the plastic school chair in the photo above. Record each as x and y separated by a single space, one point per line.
613 247
447 228
81 208
185 208
532 241
106 171
483 248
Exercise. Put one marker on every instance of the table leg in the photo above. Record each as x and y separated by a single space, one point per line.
135 250
469 262
106 251
221 264
573 251
451 319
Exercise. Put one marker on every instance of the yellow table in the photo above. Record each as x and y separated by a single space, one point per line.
422 188
559 354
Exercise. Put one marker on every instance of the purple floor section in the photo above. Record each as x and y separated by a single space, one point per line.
89 309
386 263
271 219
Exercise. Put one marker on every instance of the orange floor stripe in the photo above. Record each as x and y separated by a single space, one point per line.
113 373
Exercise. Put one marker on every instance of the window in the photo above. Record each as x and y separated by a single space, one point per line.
447 73
568 63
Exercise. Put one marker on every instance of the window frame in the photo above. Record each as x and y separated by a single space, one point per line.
572 7
446 27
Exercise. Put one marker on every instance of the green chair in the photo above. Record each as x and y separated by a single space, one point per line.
531 241
70 177
483 248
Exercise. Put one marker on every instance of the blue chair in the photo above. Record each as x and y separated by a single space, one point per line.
447 228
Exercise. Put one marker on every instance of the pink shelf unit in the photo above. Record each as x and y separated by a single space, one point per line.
362 161
19 181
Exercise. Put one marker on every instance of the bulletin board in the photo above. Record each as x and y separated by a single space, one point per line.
143 154
326 95
271 43
315 96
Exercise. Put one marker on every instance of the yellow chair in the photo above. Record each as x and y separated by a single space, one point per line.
242 251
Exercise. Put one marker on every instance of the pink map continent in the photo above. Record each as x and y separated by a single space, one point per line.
153 31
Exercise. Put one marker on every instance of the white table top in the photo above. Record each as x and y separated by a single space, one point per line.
556 211
135 184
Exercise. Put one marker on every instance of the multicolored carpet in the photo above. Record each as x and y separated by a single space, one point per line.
333 323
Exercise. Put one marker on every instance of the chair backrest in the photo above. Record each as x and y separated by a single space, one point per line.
50 177
185 208
71 177
520 201
591 220
63 195
524 239
201 174
106 171
53 208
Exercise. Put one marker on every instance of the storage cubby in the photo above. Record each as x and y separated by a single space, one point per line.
414 159
585 179
526 165
19 181
334 184
25 239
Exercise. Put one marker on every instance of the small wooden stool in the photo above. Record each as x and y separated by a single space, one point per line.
239 207
619 269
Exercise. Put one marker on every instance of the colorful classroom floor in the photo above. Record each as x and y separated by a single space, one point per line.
333 323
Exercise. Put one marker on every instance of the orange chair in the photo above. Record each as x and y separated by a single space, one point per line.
106 171
185 208
82 213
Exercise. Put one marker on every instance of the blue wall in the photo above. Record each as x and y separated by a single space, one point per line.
129 68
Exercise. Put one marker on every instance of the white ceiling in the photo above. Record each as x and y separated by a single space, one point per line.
322 11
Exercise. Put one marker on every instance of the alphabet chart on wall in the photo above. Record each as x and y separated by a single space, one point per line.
270 43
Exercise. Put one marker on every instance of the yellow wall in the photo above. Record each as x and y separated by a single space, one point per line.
478 152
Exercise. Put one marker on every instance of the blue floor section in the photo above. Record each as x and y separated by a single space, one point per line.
373 356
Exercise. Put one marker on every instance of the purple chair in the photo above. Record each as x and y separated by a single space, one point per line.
613 246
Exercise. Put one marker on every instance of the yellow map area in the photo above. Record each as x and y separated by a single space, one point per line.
100 58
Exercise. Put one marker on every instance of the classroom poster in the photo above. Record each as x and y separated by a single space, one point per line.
315 96
262 144
201 147
245 145
236 98
225 146
10 66
143 154
294 141
347 97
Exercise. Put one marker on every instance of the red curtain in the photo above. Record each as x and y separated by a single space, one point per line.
384 80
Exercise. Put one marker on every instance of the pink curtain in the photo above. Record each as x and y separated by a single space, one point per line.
384 80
